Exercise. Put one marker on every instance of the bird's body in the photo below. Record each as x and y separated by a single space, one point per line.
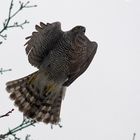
61 57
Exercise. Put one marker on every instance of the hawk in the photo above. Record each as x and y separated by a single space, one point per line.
61 57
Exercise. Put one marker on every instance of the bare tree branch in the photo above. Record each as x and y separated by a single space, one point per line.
27 137
4 70
7 114
12 132
6 23
134 135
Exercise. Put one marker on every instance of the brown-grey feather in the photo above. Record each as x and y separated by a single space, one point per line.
44 108
39 43
85 51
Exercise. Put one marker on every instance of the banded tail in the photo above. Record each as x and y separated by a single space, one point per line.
39 105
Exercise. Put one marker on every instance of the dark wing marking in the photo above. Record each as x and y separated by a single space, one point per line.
42 41
87 54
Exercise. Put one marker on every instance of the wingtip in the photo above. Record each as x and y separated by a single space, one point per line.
38 28
43 25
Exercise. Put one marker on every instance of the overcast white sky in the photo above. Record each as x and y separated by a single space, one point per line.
104 103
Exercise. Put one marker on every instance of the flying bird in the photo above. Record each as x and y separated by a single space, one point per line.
61 57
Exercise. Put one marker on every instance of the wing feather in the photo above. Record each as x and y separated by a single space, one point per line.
81 60
42 41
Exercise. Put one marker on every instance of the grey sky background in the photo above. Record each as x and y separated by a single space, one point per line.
103 104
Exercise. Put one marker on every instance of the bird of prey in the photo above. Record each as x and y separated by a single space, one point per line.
61 57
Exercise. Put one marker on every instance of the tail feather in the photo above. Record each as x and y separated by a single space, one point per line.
15 84
36 104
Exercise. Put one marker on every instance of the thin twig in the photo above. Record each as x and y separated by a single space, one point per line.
6 23
134 135
11 132
3 36
27 137
7 114
4 70
16 24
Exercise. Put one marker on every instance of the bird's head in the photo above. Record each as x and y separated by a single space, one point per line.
78 30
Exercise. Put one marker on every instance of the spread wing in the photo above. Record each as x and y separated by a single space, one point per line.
87 50
42 41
